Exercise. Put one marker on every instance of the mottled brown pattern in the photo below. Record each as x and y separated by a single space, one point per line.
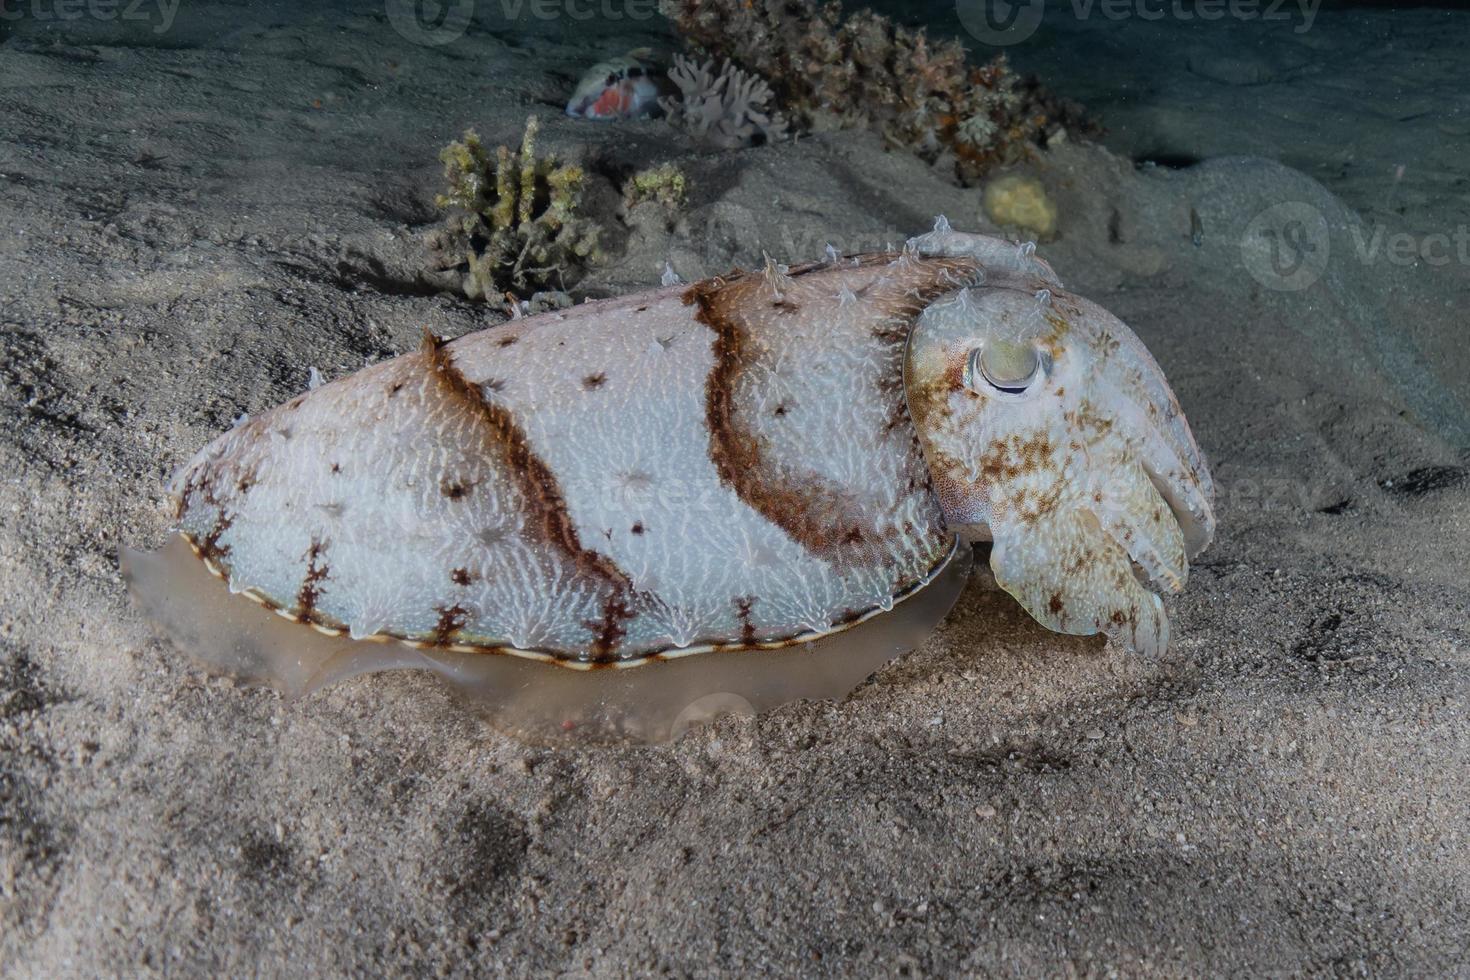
454 489
747 628
609 631
210 547
201 482
451 621
1006 460
311 585
1014 456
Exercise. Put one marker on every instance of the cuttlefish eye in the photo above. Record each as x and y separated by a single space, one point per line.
1004 367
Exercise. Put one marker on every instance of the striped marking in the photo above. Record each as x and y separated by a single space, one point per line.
505 440
812 512
809 512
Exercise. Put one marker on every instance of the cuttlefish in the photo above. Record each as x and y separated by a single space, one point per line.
633 514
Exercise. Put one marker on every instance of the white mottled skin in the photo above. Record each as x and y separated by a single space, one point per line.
568 486
1089 472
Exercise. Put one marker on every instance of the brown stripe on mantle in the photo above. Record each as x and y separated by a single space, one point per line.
823 518
506 441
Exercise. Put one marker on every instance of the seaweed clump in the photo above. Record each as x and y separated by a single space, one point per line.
513 224
827 71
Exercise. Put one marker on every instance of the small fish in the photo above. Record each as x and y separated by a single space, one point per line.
620 88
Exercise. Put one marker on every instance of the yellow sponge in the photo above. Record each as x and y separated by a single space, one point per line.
1021 202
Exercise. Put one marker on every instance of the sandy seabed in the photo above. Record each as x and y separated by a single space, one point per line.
191 219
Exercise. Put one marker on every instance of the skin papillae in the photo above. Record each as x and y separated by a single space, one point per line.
747 462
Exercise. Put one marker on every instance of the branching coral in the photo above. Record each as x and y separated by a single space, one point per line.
726 108
864 70
513 222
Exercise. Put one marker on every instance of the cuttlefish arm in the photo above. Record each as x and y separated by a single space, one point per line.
1050 430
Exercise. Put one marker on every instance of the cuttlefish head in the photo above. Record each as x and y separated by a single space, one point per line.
1050 430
